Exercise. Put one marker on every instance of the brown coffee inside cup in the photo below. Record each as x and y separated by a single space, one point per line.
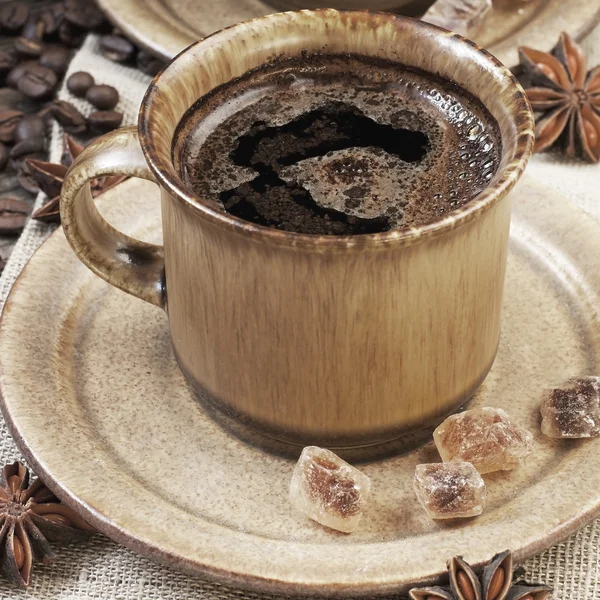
337 145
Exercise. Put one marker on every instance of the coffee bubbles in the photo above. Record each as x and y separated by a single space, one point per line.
337 145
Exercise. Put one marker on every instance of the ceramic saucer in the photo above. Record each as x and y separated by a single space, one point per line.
97 404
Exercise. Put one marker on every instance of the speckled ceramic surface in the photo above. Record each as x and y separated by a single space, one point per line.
95 399
165 27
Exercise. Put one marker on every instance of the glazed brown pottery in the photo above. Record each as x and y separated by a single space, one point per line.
339 341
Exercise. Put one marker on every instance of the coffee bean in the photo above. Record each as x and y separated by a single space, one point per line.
105 120
19 164
37 81
103 97
13 16
52 17
68 116
13 215
45 113
28 146
34 29
71 35
9 119
149 64
28 183
14 163
7 61
116 48
79 83
56 58
14 76
30 126
27 47
3 156
83 13
25 166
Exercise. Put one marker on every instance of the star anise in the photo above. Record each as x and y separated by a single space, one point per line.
565 97
494 583
50 176
30 517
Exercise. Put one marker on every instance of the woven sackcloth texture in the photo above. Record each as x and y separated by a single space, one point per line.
102 570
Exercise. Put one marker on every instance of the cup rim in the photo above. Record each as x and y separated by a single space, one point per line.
506 178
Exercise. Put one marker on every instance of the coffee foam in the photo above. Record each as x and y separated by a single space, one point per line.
460 156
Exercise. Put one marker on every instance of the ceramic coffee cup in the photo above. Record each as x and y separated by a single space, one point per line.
338 341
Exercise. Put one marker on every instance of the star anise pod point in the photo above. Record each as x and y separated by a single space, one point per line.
496 582
50 176
565 97
30 518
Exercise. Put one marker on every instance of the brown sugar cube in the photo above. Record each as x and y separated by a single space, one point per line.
485 437
328 489
573 409
450 490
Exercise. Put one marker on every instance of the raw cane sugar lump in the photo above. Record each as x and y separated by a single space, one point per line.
572 410
451 490
485 437
329 490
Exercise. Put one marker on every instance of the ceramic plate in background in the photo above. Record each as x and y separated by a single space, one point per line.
165 27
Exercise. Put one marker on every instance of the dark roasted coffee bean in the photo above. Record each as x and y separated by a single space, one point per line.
3 156
34 29
28 183
71 35
68 116
13 16
52 17
30 126
103 97
79 83
12 79
105 120
46 113
9 119
7 61
19 164
149 64
28 146
56 58
83 13
14 163
37 81
28 48
13 215
116 48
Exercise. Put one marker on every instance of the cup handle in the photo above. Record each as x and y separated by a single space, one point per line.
129 264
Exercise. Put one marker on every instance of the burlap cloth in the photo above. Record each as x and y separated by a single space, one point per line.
100 569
